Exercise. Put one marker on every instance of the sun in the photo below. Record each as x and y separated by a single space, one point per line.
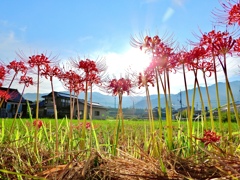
132 58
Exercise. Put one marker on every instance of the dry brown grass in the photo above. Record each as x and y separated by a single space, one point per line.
127 167
205 165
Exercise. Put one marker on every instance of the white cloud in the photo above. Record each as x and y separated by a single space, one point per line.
4 23
118 63
178 2
168 14
9 44
150 1
131 58
83 39
23 29
7 38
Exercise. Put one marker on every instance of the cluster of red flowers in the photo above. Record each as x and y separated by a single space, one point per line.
230 14
120 86
163 55
37 123
91 71
17 66
197 59
146 78
88 125
217 42
88 66
234 15
237 46
27 80
151 43
72 81
209 137
2 74
49 71
4 95
38 60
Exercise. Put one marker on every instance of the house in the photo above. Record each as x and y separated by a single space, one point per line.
154 112
63 106
225 107
9 107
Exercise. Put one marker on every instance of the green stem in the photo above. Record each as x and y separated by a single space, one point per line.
83 138
19 103
121 112
209 102
55 115
217 96
186 90
159 110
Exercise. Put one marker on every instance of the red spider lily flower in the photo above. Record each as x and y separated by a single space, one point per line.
5 95
151 43
37 123
224 45
197 58
2 74
120 86
27 80
209 137
78 85
94 79
234 14
38 60
183 57
207 40
49 71
146 78
206 67
155 44
92 69
163 56
237 46
17 66
198 53
88 66
230 14
217 42
72 81
88 125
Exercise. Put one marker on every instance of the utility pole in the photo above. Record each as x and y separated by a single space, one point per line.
180 101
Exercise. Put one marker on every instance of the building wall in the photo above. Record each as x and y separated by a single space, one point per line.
63 108
9 109
98 113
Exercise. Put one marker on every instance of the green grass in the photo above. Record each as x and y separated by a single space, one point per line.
19 144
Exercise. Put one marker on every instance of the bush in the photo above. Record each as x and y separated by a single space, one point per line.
225 118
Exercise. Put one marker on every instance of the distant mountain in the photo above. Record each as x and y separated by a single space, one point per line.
181 96
33 96
105 100
112 101
140 101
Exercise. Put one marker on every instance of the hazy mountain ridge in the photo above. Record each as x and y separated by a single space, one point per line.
235 86
140 101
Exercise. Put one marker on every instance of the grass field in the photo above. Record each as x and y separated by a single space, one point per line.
28 152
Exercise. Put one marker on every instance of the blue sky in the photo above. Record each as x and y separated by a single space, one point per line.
97 28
